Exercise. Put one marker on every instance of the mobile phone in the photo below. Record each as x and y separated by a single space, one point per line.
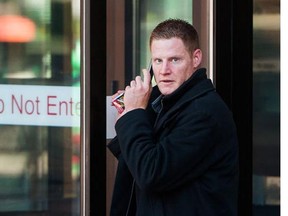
118 101
150 69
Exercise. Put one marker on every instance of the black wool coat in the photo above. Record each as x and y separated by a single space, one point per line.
181 161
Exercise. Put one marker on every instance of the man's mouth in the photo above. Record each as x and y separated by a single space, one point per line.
166 81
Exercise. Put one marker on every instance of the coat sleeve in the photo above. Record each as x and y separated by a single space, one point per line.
114 147
181 155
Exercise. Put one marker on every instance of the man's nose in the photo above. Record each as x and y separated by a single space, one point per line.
165 68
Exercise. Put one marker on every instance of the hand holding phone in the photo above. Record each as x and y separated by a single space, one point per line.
118 101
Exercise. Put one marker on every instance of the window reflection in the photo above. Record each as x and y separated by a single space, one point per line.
266 106
39 165
23 39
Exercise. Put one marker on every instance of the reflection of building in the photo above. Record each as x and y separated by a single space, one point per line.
266 104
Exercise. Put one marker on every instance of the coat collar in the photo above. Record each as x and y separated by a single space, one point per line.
196 85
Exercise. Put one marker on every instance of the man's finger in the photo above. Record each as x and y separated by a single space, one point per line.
147 78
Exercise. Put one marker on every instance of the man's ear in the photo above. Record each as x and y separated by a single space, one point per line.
197 58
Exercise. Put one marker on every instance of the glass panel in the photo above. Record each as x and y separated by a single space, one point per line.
266 107
40 107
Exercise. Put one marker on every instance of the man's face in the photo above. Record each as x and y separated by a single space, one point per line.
172 64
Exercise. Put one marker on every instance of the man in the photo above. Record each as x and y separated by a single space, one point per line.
176 144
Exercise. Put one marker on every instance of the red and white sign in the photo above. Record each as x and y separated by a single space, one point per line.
40 105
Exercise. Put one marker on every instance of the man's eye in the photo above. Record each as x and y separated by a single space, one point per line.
175 60
157 61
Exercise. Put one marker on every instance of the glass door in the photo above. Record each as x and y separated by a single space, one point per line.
40 107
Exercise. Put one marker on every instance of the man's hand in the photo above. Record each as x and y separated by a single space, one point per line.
137 93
